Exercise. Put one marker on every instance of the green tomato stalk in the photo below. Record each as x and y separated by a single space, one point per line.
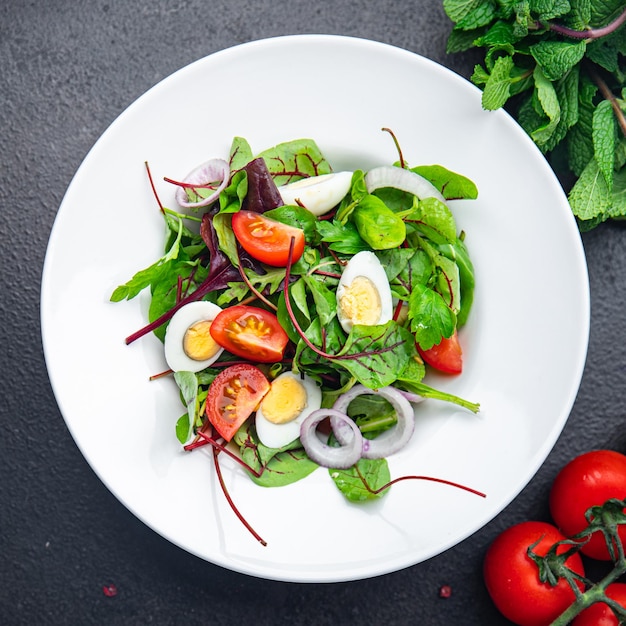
607 520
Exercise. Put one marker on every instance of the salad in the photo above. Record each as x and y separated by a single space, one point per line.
300 309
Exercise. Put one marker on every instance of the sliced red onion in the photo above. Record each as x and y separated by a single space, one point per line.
391 440
212 171
403 179
327 456
413 398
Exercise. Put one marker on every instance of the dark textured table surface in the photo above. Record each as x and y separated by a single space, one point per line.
67 70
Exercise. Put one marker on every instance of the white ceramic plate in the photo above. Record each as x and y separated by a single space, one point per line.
525 343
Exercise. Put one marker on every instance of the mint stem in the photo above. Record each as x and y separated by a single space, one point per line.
608 95
588 33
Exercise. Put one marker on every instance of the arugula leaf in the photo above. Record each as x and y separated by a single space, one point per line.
188 384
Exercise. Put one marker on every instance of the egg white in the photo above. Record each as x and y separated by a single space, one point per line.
279 435
318 194
185 317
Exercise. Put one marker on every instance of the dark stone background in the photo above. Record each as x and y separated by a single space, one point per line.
67 70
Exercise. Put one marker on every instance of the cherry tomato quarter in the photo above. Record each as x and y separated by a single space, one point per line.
446 356
512 577
251 333
600 614
267 240
588 480
233 396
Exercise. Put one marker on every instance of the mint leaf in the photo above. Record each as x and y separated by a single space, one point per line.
462 40
549 9
590 197
558 57
618 197
478 16
603 134
498 87
580 14
457 10
549 101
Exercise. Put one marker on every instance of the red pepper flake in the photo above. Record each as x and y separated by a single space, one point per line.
445 591
109 590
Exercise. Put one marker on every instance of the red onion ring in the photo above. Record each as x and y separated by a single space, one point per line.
403 179
386 443
212 171
327 456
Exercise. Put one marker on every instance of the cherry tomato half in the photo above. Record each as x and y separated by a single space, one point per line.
588 480
512 577
233 395
446 356
267 240
599 614
251 333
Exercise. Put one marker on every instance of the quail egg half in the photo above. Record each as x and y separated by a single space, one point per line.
363 293
318 194
292 397
189 346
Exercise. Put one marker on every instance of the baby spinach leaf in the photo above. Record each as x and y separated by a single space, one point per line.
240 153
285 468
298 217
377 224
434 220
375 472
458 253
292 160
375 355
452 186
278 466
394 261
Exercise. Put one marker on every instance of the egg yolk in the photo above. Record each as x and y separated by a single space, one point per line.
198 343
360 302
284 401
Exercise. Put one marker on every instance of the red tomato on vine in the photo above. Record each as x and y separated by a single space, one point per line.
588 480
512 577
599 614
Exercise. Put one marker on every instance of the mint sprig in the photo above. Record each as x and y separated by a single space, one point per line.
559 66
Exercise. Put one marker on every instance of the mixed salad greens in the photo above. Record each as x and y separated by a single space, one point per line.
294 301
